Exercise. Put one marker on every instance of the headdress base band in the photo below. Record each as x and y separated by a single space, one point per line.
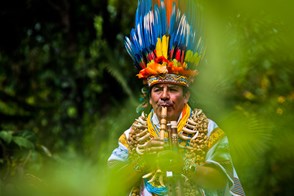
168 78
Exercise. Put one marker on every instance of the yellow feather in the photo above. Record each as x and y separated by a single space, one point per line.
165 46
158 48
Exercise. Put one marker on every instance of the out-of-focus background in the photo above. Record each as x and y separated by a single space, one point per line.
68 90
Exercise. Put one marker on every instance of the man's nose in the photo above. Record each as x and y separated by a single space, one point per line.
164 95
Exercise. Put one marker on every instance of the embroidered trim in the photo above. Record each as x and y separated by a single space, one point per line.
123 139
215 136
237 189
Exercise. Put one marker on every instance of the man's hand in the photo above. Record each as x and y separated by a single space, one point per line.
150 147
156 155
154 145
148 152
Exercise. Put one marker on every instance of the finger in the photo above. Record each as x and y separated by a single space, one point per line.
156 143
157 139
156 148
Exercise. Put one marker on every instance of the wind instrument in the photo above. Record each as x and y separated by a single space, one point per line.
163 122
158 175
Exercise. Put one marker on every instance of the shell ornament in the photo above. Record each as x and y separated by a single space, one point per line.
195 131
139 135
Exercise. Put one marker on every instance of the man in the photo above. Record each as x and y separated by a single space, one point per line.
175 150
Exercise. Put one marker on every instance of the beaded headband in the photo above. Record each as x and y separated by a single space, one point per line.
168 78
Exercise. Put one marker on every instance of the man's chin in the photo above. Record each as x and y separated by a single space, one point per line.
171 118
170 111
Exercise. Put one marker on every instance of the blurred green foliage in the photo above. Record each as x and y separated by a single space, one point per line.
68 90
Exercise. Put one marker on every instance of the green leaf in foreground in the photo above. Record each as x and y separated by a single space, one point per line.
6 136
23 142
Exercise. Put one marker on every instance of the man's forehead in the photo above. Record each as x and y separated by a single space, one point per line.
160 85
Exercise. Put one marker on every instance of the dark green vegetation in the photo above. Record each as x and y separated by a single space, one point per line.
68 90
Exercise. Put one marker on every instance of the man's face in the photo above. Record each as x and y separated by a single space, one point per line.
170 96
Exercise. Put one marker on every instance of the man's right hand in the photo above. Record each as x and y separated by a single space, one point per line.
154 146
150 147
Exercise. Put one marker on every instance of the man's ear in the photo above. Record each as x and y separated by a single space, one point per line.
187 97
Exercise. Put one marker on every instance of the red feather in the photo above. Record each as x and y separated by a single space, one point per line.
178 54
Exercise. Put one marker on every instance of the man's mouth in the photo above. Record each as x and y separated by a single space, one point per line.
166 105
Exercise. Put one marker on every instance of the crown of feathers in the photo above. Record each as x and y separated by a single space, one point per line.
164 44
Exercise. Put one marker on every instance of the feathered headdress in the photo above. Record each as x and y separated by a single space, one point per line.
164 45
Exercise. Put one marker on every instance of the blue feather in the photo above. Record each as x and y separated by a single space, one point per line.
172 20
163 18
133 38
138 13
157 22
154 29
129 48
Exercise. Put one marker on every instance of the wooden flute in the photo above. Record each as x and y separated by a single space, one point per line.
163 122
175 188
